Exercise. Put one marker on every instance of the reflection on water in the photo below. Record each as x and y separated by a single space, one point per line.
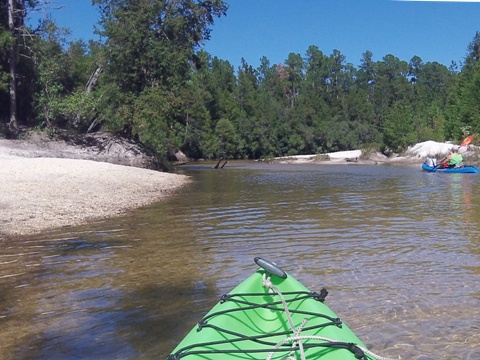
397 248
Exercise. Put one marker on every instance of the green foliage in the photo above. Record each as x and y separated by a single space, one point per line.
15 57
150 43
227 139
431 124
5 43
150 48
150 121
399 128
463 104
49 99
79 108
49 60
157 86
195 139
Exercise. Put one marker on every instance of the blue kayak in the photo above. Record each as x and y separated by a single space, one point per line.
467 169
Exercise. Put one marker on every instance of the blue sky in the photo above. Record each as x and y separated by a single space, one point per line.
433 30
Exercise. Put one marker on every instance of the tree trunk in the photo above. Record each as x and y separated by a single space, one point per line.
13 124
92 82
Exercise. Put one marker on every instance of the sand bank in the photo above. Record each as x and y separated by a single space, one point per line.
41 193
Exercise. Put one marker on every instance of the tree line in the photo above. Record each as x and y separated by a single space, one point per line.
148 78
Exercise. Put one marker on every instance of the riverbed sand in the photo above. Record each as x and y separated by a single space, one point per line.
42 193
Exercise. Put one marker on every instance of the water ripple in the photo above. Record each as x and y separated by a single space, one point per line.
397 249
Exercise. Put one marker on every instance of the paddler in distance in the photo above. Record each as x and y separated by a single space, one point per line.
454 159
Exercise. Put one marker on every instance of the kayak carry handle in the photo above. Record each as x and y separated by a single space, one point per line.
270 267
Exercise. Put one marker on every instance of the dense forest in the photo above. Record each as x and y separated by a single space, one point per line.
149 79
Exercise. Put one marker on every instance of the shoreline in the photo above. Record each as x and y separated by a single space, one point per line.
348 157
52 184
39 193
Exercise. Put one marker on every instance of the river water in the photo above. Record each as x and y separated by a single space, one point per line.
398 250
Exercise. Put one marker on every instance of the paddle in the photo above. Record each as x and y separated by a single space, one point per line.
467 141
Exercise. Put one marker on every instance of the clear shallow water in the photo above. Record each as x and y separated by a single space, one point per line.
398 250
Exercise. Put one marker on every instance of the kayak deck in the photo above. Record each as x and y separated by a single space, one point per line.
271 318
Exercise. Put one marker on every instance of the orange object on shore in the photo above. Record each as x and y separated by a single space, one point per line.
467 141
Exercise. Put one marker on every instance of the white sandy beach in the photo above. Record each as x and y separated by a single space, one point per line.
42 193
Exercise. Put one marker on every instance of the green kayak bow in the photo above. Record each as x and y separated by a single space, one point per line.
271 315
